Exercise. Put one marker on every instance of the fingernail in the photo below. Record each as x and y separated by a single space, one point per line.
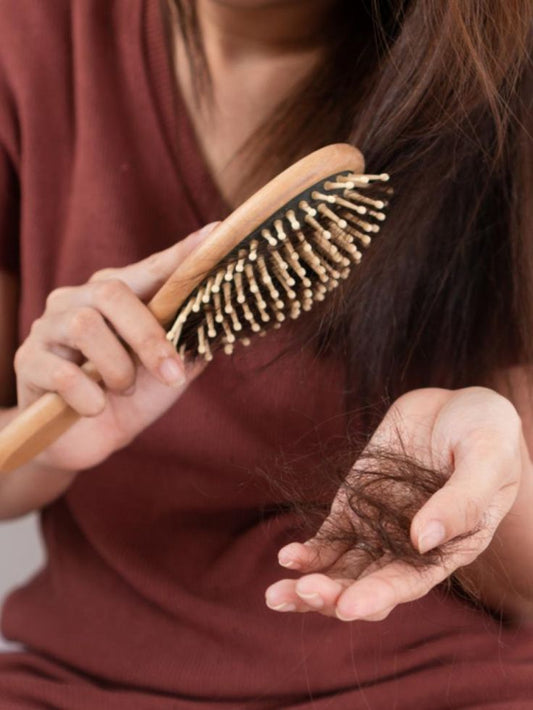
284 606
286 561
314 599
432 536
172 373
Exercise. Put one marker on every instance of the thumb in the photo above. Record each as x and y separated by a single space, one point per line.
146 277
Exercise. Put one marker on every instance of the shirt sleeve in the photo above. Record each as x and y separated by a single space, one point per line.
9 215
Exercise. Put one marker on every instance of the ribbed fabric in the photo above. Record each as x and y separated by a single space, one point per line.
152 597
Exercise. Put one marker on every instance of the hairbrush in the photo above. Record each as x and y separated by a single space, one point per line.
272 259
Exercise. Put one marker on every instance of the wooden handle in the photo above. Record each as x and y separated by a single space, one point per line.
45 420
38 426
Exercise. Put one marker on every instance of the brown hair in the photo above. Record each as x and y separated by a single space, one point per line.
440 95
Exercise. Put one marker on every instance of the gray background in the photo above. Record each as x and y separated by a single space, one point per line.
21 554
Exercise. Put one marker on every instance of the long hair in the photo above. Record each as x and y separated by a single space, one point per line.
440 95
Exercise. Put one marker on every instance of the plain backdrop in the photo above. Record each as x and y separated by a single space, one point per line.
21 555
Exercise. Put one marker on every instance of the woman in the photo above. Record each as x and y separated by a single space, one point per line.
127 124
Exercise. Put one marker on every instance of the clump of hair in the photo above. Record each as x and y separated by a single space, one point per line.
381 494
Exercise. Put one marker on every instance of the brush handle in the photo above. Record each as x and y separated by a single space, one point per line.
38 426
44 421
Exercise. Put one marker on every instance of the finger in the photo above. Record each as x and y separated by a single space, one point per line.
397 582
314 554
66 353
145 277
282 597
77 357
384 589
326 547
479 493
292 595
320 591
380 615
134 323
50 373
86 331
129 317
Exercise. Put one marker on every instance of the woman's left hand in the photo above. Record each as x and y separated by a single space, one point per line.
477 434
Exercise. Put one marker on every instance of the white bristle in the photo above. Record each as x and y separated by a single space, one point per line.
284 268
268 236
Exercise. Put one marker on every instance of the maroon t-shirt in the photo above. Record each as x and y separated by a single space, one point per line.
152 596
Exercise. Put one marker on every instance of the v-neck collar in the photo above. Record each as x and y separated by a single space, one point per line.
174 122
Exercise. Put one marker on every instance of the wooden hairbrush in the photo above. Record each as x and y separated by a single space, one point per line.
276 255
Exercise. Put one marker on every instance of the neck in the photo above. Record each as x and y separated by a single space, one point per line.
257 52
239 28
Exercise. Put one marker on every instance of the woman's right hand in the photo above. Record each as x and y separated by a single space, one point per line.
107 322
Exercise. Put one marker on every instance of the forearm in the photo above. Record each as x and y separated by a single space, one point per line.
31 486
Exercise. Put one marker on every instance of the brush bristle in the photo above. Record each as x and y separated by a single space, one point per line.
284 267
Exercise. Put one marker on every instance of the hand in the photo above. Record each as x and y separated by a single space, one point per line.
474 433
105 321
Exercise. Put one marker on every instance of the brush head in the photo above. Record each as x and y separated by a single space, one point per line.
284 264
272 259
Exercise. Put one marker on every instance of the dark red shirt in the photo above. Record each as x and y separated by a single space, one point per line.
152 597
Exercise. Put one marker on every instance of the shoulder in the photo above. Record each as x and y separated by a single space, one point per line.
33 44
37 36
44 44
